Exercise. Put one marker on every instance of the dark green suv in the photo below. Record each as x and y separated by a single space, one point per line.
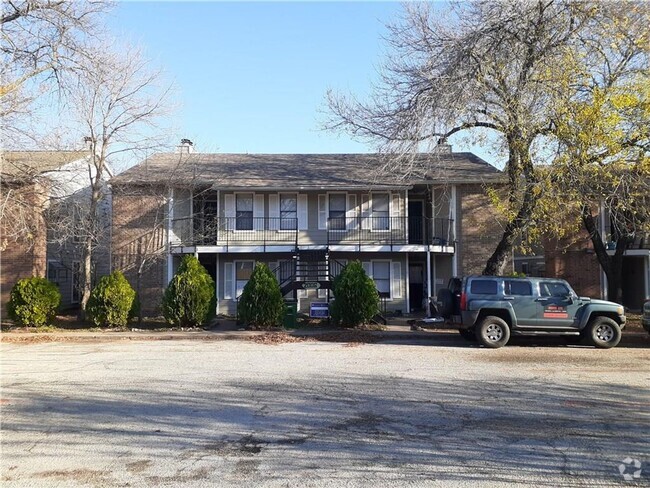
491 308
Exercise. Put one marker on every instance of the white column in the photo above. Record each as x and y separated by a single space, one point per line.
407 280
216 283
406 221
453 215
428 283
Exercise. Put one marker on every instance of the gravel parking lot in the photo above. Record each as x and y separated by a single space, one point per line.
238 413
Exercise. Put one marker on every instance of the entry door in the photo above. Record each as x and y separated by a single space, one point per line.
556 305
416 285
416 222
520 295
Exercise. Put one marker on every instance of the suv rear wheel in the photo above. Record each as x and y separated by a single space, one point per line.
604 332
493 332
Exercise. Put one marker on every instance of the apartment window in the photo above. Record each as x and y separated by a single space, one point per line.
381 276
380 209
288 211
76 281
337 211
244 211
243 272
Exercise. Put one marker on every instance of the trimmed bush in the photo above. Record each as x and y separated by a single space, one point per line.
111 301
33 301
356 300
261 304
189 299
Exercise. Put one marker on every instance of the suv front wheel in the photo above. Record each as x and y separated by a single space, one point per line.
493 332
604 332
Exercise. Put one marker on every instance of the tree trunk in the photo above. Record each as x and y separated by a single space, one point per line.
518 159
612 265
138 289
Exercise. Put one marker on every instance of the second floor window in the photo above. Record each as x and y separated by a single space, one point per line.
244 211
288 211
380 209
337 211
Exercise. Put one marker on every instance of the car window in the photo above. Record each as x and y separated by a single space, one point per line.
551 289
484 287
519 288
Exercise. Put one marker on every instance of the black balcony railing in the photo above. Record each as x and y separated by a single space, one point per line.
202 230
390 231
227 231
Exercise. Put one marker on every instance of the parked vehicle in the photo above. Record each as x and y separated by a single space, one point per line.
645 319
491 308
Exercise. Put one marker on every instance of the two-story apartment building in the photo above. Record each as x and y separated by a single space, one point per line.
44 194
307 215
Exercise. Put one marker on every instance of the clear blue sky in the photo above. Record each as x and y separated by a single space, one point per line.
252 77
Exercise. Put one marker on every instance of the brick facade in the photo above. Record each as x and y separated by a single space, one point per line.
138 235
479 230
576 263
23 253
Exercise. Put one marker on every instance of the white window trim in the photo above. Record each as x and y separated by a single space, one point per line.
235 230
280 210
390 274
234 277
390 210
327 209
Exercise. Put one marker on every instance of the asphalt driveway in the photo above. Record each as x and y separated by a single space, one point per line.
238 413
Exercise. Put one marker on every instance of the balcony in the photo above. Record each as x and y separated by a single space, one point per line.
263 232
390 231
233 231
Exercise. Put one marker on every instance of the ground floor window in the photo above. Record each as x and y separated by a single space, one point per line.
243 272
381 276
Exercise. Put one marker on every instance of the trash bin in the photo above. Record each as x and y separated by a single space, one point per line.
290 314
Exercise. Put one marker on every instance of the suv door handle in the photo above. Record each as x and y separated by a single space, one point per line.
543 299
505 297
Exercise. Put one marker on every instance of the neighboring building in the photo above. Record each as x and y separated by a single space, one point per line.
42 185
576 262
305 215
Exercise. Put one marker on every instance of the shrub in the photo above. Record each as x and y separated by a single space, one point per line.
261 303
33 301
356 300
189 299
111 301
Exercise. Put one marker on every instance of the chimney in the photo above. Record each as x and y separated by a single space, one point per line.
443 148
88 141
186 147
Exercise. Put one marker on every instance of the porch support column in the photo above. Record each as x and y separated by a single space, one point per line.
428 281
216 284
407 275
453 207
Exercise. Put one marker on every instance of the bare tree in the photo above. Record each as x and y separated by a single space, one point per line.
116 101
39 40
485 65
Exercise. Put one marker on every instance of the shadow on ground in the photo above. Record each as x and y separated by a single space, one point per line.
347 427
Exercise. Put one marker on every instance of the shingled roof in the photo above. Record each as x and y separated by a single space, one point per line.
309 171
21 165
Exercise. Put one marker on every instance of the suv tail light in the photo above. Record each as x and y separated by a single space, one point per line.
463 301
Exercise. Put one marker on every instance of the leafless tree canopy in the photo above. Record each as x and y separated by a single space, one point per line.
39 40
495 65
